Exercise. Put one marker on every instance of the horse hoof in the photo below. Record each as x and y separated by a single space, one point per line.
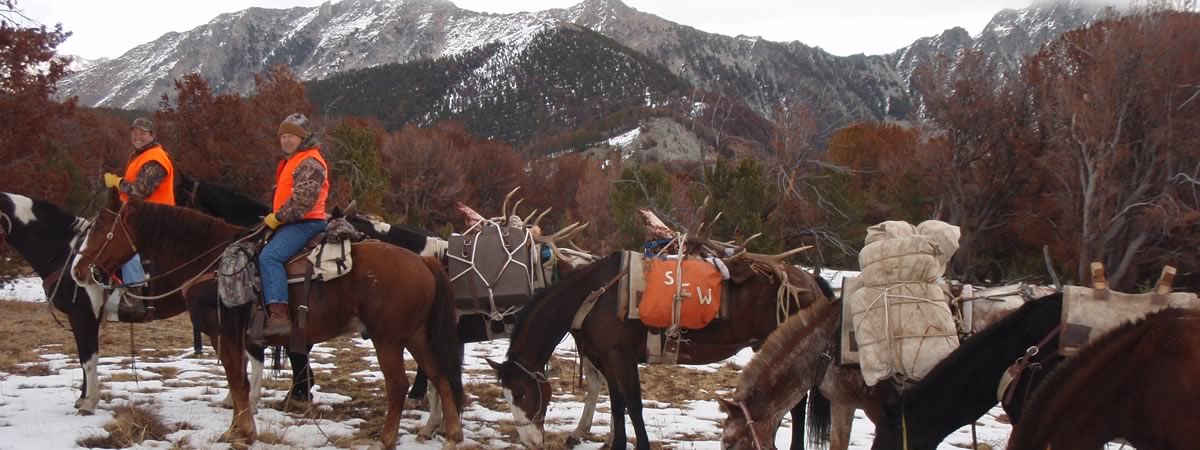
424 435
78 403
449 445
84 412
227 401
573 441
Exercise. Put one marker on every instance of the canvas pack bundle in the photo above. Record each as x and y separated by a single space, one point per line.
902 323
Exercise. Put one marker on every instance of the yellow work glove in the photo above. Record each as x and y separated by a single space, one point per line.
112 180
272 221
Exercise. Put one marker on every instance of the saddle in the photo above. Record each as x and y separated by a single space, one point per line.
328 255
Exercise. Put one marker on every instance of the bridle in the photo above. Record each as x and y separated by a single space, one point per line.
539 378
758 445
92 267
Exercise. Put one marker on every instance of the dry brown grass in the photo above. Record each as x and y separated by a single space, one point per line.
31 328
130 425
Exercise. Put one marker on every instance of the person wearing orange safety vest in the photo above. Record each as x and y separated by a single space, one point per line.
149 176
301 188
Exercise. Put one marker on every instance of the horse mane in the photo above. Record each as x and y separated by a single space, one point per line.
573 281
166 229
1109 342
782 342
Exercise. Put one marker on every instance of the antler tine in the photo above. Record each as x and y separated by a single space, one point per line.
540 216
530 216
507 198
741 248
714 221
515 207
559 235
776 257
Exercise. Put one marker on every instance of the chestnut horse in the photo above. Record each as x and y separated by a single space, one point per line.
401 299
1138 382
616 346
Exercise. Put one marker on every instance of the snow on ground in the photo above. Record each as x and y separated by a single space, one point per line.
23 289
38 412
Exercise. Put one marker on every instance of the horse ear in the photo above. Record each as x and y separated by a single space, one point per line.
495 365
727 406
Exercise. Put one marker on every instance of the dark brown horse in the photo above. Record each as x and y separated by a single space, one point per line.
401 299
963 386
615 346
1138 382
798 360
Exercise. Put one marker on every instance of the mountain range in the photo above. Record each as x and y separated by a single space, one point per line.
336 39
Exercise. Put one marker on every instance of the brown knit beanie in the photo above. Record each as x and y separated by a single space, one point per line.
294 125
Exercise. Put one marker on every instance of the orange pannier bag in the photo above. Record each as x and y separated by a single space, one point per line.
701 293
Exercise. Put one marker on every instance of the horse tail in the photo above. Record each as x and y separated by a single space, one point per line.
819 419
443 332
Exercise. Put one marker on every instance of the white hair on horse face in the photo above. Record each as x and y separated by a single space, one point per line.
22 208
530 435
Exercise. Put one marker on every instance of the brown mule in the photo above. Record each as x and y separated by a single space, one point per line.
401 299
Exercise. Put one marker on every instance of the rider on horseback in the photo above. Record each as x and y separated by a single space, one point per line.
301 187
149 176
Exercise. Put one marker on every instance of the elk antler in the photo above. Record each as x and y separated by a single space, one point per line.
552 240
538 219
530 216
507 219
507 198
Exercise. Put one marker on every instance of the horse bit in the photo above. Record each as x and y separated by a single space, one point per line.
540 379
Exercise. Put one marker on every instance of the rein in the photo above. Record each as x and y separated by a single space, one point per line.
539 378
108 239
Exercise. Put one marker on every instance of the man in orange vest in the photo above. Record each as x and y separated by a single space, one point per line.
149 176
301 187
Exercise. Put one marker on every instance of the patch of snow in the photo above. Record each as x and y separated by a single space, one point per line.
23 290
625 138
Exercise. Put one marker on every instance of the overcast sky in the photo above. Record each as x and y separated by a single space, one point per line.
111 27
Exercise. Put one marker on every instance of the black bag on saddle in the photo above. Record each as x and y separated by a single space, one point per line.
237 275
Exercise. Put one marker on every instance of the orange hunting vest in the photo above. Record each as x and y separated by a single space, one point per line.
165 192
284 182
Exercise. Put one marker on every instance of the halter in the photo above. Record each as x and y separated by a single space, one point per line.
750 424
539 378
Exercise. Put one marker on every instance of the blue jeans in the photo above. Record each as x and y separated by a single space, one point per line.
289 239
132 272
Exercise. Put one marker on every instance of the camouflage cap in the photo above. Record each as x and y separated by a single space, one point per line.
143 123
